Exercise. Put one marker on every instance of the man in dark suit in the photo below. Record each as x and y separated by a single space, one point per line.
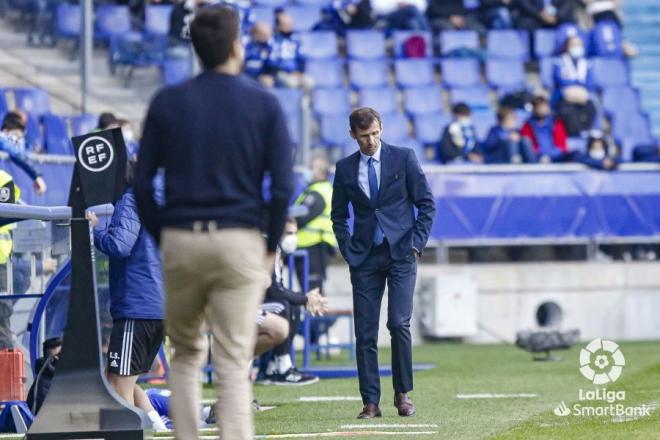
384 184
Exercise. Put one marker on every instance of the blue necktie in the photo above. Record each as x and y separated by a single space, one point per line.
373 193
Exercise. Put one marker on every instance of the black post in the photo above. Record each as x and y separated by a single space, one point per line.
81 404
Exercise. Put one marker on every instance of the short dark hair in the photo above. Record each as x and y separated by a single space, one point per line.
362 118
213 31
461 109
539 99
106 119
13 121
503 113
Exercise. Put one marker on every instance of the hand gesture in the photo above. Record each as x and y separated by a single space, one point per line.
40 185
317 305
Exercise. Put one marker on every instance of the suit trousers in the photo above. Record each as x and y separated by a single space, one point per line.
218 277
368 280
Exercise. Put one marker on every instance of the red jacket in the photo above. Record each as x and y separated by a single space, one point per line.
559 135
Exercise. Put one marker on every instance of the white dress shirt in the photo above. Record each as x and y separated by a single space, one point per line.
363 171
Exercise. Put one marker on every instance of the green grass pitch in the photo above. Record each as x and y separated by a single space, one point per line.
473 369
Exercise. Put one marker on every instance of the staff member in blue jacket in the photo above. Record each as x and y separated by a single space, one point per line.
136 299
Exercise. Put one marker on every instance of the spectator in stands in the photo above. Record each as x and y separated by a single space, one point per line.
546 133
286 63
459 141
401 14
136 299
573 81
130 140
257 53
646 153
496 14
107 120
280 370
182 14
601 154
603 10
451 14
45 368
12 141
536 14
347 14
504 144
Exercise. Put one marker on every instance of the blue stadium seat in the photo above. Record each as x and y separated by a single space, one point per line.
318 45
34 138
4 108
382 99
134 50
176 70
400 37
606 40
422 100
111 20
262 14
330 101
508 44
460 72
476 96
56 136
414 72
317 3
631 130
83 124
453 40
368 73
365 44
545 68
483 120
32 101
610 72
272 3
290 100
396 128
157 19
429 127
334 130
508 74
294 124
544 43
304 17
67 21
325 73
623 99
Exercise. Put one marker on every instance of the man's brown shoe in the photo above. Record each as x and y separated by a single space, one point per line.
369 411
404 405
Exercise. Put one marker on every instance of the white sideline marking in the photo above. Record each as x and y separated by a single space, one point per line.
495 396
326 434
390 425
329 398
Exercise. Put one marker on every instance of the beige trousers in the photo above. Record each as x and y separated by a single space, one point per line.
218 277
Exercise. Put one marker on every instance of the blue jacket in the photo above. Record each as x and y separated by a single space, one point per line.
136 283
403 187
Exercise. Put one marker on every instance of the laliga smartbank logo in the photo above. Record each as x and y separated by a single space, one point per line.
602 362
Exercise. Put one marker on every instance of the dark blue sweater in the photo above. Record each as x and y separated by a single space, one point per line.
216 137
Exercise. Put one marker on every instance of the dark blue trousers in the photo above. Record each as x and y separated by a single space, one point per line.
368 282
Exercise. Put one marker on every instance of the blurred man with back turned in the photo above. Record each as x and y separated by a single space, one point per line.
384 184
215 137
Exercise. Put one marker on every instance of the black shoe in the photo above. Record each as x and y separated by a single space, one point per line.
292 377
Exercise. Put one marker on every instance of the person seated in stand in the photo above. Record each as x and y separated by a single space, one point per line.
280 370
601 154
647 153
257 53
546 132
459 142
573 81
446 15
400 14
496 14
504 144
537 14
343 15
286 64
12 142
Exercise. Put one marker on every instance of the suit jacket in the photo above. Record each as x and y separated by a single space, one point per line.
403 187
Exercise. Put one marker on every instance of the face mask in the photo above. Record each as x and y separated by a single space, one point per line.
289 244
306 175
465 122
597 154
129 136
576 51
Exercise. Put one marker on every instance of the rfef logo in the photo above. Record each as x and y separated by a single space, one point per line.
96 154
